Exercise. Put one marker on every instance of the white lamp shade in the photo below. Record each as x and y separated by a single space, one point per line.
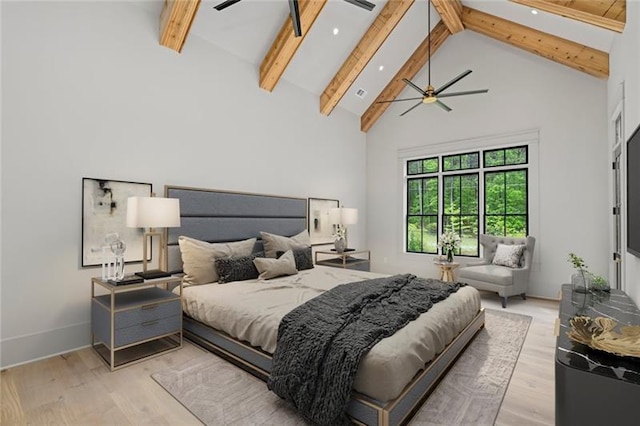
153 212
343 216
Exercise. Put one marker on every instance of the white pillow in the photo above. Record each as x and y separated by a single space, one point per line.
508 255
198 257
272 268
274 243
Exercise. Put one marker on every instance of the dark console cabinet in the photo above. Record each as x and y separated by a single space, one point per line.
594 387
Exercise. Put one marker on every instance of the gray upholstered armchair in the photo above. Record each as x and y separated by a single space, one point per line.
504 280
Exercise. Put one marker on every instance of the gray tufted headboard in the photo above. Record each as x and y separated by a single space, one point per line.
219 216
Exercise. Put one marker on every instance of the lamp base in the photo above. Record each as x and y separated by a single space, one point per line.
153 274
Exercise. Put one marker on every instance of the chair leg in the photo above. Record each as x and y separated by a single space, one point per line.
504 302
524 296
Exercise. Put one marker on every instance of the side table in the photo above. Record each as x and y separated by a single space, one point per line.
133 322
446 270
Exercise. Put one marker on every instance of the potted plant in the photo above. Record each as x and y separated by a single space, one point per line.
581 280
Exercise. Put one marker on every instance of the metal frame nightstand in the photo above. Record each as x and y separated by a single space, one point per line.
134 322
349 259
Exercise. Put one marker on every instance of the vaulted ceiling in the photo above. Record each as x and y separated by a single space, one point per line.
374 50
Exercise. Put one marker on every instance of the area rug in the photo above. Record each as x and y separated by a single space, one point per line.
219 393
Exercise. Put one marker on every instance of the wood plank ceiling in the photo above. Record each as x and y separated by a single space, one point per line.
177 16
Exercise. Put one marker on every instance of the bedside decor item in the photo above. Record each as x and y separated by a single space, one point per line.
104 203
449 242
341 217
320 227
153 212
113 257
127 279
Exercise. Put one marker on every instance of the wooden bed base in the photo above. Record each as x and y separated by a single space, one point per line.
362 410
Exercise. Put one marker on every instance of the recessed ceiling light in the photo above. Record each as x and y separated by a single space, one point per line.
535 12
381 67
336 31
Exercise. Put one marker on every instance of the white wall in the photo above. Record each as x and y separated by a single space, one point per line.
88 92
624 62
526 92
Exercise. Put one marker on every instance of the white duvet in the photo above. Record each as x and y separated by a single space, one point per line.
251 311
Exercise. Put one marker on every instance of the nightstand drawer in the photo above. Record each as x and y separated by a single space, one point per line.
147 330
146 313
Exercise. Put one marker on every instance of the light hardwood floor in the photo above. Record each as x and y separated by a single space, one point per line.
78 389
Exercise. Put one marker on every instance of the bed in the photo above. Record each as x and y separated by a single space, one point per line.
239 320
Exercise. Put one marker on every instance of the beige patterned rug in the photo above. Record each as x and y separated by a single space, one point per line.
218 393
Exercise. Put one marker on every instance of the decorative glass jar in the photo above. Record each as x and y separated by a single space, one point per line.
581 282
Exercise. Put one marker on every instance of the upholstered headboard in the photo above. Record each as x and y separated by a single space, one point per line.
219 216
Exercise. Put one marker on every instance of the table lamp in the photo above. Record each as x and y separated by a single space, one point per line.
152 213
342 216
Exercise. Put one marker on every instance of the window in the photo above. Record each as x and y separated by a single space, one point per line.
460 210
454 192
422 215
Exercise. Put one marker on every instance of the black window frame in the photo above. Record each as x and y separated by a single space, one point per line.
526 214
444 215
504 150
422 215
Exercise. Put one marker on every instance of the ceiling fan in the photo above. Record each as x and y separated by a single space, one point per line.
430 95
295 11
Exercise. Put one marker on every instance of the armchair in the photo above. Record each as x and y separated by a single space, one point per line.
505 281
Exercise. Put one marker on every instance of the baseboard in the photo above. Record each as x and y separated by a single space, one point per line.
19 350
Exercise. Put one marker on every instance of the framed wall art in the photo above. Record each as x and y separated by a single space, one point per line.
320 228
104 212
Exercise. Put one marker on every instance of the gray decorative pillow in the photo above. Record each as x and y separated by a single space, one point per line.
272 268
303 258
237 268
274 243
198 257
508 255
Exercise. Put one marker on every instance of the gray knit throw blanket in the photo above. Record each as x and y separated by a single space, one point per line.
321 342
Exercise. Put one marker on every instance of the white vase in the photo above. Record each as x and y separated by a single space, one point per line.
340 244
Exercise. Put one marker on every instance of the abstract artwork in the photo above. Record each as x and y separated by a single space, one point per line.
320 227
104 212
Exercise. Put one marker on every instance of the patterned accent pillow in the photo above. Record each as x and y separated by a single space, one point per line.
508 255
303 258
237 268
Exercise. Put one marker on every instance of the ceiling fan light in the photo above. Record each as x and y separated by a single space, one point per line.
429 99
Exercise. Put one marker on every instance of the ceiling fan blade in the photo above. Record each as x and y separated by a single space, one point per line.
398 100
225 4
441 105
468 92
407 82
362 3
452 82
295 17
416 105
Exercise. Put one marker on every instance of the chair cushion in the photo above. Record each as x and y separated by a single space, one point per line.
488 273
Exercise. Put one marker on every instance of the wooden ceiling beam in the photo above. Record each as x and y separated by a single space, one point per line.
583 58
175 22
415 63
450 11
570 10
368 45
286 44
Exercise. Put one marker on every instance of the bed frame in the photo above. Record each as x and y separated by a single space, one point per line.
218 216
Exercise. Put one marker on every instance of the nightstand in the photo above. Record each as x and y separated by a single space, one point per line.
135 321
356 259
